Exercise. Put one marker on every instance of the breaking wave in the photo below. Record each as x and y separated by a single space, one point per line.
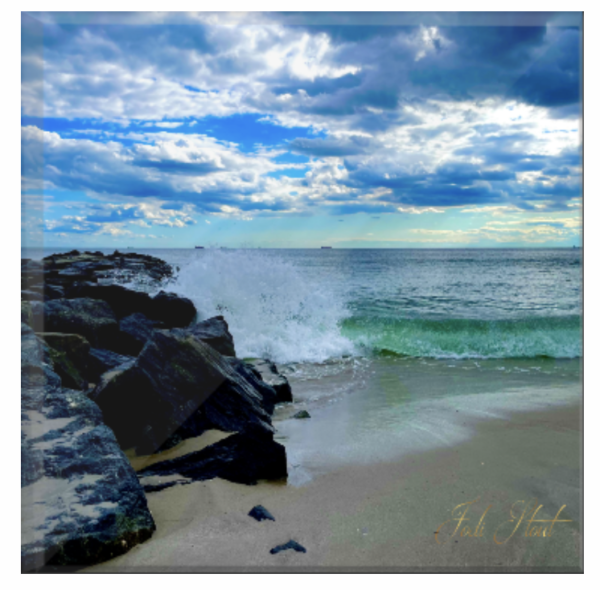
273 310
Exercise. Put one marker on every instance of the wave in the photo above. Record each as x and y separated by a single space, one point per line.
273 309
554 337
278 310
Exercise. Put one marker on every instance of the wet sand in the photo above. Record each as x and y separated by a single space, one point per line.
384 516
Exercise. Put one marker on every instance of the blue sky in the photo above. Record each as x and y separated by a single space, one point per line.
301 130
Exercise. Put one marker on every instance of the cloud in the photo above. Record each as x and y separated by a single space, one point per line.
338 114
193 169
336 147
361 75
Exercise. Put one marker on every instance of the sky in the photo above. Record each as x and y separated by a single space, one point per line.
297 130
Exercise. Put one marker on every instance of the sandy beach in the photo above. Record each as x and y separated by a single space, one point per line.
384 516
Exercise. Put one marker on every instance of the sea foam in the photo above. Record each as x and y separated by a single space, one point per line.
273 310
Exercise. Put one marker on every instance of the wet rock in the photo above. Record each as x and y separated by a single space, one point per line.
69 354
53 292
115 371
122 301
136 330
171 309
291 544
270 374
260 513
100 361
26 313
31 295
90 318
301 415
253 377
156 404
215 332
75 269
81 502
245 457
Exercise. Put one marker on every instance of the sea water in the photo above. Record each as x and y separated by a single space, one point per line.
317 305
394 351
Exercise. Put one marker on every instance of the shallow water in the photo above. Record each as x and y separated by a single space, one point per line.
388 407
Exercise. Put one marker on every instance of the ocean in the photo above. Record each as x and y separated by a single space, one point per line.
318 305
394 351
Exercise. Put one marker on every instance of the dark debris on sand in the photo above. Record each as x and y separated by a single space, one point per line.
291 544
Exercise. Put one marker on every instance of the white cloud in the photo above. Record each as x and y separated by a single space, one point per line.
419 210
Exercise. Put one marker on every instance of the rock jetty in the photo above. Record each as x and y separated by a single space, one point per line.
105 369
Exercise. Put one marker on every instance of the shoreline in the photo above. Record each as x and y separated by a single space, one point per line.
384 515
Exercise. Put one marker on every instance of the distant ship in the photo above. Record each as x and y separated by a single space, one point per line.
325 247
199 247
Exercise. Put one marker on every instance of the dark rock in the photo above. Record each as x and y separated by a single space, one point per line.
246 371
53 292
215 332
36 315
32 274
136 330
92 319
35 371
26 313
245 457
291 544
100 361
171 309
31 295
75 273
156 404
69 354
81 502
260 513
269 374
122 301
115 371
301 415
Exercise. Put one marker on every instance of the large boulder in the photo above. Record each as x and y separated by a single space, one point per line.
81 502
53 291
270 374
122 301
245 458
179 387
90 318
214 332
69 354
173 310
100 361
136 330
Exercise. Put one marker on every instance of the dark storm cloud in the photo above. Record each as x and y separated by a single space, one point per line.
530 64
554 78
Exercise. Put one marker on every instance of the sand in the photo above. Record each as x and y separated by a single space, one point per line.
384 516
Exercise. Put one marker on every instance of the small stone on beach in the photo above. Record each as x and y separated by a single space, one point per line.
289 545
260 513
301 415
